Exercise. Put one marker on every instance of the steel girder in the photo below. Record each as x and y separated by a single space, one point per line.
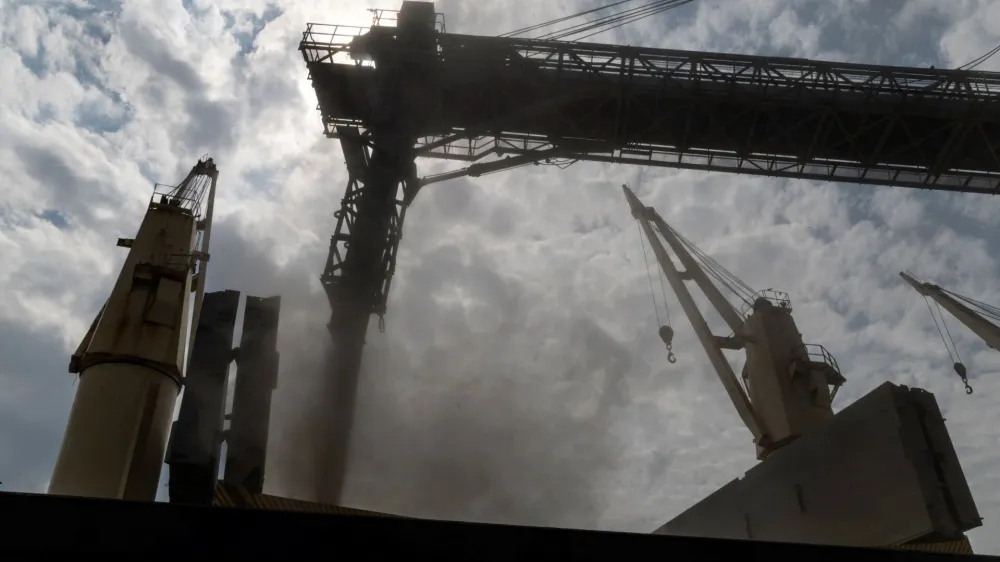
373 291
485 96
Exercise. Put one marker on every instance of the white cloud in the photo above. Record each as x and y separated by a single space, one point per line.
520 363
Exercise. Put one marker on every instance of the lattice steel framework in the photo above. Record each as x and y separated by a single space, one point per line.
394 93
375 292
912 127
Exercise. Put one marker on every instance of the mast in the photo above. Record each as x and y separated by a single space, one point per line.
132 360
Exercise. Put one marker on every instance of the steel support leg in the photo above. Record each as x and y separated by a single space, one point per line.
357 279
256 378
197 435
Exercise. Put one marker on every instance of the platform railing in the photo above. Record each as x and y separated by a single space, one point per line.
171 196
816 353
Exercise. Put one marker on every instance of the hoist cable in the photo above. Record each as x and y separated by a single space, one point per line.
717 272
957 359
938 326
588 25
733 283
987 309
602 21
663 293
712 267
980 59
652 293
946 329
562 19
614 20
681 3
715 264
726 278
978 303
742 290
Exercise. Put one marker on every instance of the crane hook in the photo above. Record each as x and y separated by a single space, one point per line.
667 335
963 374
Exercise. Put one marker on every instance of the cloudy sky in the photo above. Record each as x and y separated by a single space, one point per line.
520 378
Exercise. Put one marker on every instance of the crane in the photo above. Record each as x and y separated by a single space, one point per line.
391 94
788 386
815 481
965 310
132 360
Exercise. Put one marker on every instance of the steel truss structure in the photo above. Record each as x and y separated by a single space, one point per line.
486 96
393 93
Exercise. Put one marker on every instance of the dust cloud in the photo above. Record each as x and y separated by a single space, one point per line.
491 427
492 405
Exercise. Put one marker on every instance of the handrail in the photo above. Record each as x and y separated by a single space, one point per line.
816 353
779 299
168 195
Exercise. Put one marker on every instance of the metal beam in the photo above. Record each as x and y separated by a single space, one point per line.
477 170
781 117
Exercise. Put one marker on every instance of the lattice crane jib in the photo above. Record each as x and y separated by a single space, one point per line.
787 386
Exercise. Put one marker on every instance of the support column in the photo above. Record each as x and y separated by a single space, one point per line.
256 379
196 438
358 286
131 364
382 183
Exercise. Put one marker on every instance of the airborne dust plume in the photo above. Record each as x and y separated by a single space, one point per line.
483 426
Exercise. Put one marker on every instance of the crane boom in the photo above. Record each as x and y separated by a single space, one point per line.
789 385
986 330
708 341
697 274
